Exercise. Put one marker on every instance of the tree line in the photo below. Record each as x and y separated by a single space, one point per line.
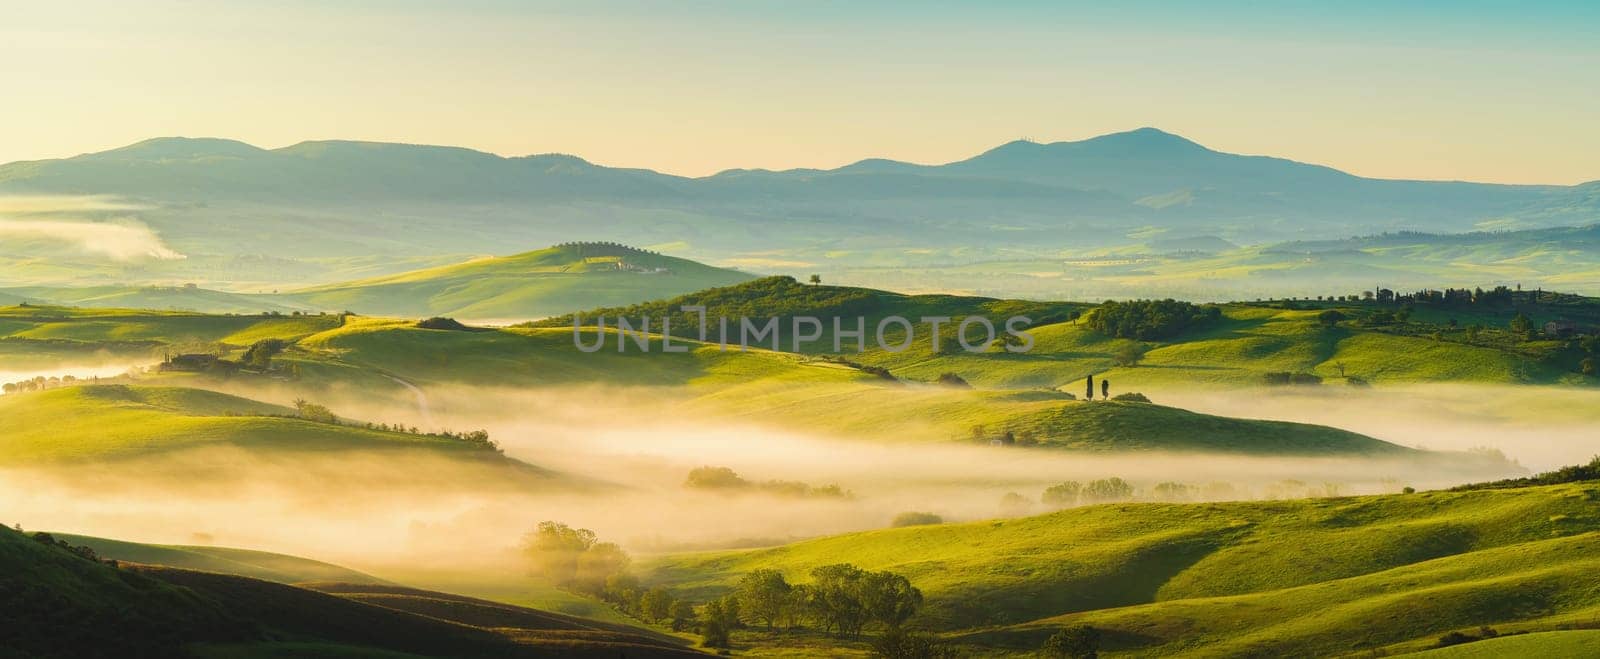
1147 320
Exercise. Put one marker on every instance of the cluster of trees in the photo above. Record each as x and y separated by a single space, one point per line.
479 439
724 479
1284 378
39 383
1568 474
574 559
1071 493
876 371
442 323
259 356
1148 320
841 599
657 605
1458 638
778 297
913 518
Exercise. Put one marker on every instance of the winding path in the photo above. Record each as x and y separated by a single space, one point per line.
422 401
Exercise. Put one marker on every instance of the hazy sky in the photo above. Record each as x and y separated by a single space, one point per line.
1482 91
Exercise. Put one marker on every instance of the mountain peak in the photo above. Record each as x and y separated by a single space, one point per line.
176 148
1146 139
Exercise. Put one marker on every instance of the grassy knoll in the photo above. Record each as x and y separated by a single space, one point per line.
541 283
100 422
1571 644
1299 577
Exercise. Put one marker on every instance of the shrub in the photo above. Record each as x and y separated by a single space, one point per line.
442 323
916 519
953 380
1280 378
897 644
1131 397
1077 642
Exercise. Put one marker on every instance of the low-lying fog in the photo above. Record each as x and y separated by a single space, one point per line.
631 451
82 369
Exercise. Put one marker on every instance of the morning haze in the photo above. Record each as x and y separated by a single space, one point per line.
1060 330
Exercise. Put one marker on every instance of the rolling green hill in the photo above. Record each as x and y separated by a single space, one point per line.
1575 644
1307 577
62 603
103 423
546 282
180 298
267 566
803 392
1249 341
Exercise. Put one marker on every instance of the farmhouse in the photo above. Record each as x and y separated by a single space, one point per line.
1560 328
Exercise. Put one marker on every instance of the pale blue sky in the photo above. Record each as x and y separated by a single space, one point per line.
1469 90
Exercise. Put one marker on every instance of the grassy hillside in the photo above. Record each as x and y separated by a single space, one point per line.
62 603
1301 577
546 282
801 392
1248 342
266 566
147 297
107 422
1575 644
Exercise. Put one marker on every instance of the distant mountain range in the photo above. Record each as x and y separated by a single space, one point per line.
340 198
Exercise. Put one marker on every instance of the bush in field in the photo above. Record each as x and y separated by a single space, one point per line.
953 380
1131 397
1129 355
897 644
915 519
313 412
1077 642
442 323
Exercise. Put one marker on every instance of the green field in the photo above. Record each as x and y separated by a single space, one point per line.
1288 578
546 282
102 422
